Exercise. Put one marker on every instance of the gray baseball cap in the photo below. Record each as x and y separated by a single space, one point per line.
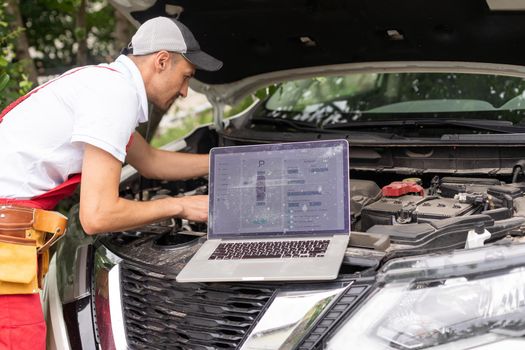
163 33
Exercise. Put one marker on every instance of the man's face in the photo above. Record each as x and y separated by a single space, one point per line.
171 80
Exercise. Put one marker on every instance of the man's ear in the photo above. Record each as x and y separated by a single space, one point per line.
162 60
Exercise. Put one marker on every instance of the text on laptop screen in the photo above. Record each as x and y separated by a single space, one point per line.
279 189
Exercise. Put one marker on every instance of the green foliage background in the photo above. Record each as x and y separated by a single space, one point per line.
13 81
53 35
52 31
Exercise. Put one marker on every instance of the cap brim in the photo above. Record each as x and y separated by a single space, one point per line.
203 61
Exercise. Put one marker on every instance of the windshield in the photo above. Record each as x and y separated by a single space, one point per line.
376 97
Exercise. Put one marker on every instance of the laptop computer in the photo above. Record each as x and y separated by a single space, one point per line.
277 212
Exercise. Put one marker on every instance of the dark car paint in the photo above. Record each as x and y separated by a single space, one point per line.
258 36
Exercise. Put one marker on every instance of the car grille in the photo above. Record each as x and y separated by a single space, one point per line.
160 313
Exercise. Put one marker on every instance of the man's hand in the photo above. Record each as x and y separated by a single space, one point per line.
194 208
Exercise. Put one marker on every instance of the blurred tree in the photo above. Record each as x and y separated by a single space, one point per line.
13 80
48 37
81 34
65 33
22 46
123 31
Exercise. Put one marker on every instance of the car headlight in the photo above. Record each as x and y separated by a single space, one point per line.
466 299
290 317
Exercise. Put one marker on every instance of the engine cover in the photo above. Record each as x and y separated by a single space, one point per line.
412 208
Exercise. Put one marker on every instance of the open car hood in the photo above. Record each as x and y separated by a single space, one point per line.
254 37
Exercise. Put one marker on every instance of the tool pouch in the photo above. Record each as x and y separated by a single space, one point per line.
25 237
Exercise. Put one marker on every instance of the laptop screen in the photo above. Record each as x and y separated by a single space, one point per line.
279 189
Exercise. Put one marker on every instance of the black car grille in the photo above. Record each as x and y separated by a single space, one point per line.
163 314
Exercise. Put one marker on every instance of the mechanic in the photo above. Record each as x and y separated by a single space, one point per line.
83 122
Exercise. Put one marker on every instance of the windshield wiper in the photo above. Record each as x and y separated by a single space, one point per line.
501 126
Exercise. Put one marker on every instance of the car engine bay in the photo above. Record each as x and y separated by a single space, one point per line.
403 217
396 217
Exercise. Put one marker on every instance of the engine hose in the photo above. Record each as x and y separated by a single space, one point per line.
517 171
519 206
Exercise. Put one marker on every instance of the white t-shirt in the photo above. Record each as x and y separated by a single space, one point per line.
42 139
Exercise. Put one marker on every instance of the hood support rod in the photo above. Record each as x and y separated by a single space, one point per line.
218 113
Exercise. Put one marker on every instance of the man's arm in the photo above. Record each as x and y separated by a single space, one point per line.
102 210
165 165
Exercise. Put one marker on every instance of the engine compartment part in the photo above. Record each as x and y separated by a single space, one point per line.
362 193
450 186
400 188
371 241
410 208
382 226
476 238
447 233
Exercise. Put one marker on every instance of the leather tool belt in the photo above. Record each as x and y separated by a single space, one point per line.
25 237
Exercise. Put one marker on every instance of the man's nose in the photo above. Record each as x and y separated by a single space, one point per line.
184 91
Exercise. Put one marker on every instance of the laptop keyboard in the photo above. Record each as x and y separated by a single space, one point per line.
265 250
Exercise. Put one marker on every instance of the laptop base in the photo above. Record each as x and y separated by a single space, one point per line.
201 269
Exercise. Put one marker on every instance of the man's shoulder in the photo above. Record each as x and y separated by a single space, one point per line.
103 80
101 72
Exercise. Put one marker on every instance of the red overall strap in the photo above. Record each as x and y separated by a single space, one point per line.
130 141
15 103
49 199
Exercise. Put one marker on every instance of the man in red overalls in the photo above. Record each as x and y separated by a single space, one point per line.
83 122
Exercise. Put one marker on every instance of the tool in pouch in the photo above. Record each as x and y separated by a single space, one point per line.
25 237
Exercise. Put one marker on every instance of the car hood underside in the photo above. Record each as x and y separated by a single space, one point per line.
257 37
